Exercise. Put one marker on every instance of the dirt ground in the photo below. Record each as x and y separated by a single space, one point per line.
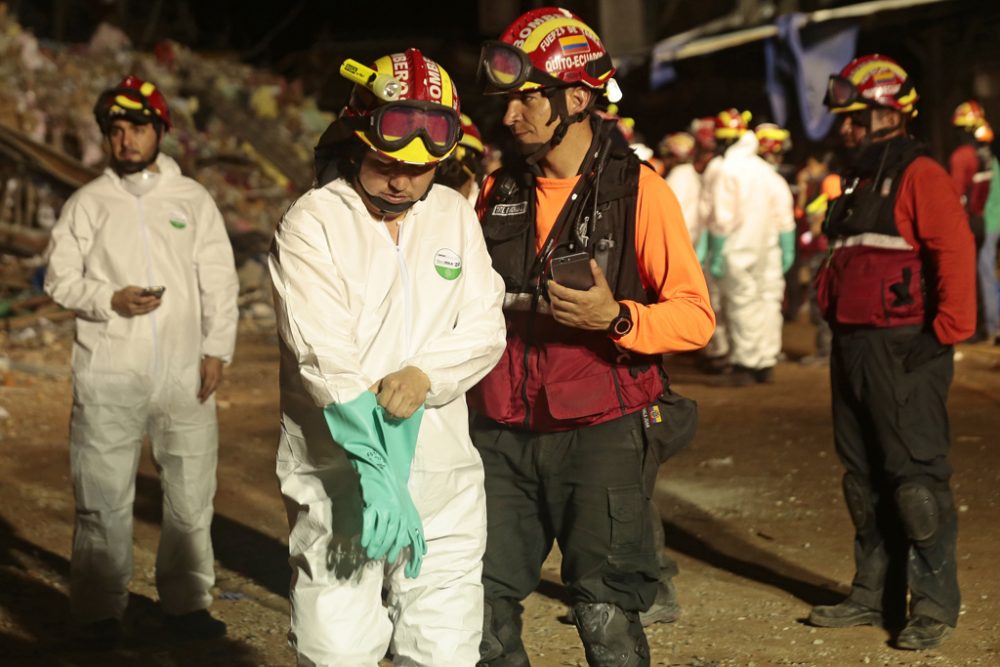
753 513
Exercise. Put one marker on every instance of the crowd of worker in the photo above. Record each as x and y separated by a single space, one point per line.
472 356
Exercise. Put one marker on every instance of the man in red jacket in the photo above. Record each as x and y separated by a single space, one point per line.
898 290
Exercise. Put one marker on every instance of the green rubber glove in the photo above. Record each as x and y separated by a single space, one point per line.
353 427
400 438
701 247
787 241
716 262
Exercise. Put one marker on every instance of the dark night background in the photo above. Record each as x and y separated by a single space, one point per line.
950 48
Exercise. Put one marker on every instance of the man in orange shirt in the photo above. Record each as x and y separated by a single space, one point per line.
568 421
898 291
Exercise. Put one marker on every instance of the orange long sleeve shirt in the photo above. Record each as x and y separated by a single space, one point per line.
682 318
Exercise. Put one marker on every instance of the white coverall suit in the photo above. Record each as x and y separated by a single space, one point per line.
718 345
751 206
142 374
352 307
685 181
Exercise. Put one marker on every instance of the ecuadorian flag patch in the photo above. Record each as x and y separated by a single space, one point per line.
574 44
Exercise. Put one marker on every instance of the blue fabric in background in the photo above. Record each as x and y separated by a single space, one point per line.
809 63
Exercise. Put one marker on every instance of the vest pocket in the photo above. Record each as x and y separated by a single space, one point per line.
581 397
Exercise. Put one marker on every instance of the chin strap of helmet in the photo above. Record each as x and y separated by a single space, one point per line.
387 207
557 102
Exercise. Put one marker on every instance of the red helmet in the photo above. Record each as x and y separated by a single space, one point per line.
134 100
871 81
471 138
678 144
968 114
420 124
773 139
544 48
732 123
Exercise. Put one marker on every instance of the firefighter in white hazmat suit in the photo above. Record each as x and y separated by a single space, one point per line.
750 228
143 362
383 284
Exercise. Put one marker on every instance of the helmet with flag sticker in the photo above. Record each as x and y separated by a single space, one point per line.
872 81
405 107
547 47
134 100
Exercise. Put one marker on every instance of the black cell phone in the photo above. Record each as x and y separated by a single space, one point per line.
573 271
153 291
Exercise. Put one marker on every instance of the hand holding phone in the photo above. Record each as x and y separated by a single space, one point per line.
156 291
573 271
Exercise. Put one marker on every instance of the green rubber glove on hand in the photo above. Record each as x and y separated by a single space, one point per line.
787 241
701 247
389 521
716 262
400 438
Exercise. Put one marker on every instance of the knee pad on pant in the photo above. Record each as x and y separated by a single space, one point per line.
919 511
501 645
859 503
611 637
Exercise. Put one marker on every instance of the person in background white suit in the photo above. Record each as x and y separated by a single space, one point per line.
145 361
751 245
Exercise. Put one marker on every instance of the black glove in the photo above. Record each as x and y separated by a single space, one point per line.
923 348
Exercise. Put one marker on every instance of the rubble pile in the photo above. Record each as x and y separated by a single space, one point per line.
243 133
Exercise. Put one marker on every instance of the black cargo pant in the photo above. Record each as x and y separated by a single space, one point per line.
584 489
890 430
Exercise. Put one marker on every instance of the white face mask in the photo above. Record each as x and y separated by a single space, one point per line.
140 182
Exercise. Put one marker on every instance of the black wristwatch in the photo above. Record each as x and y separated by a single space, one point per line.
621 325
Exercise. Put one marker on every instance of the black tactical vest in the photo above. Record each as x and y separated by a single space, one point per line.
610 177
868 203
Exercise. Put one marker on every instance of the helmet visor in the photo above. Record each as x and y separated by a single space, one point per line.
840 92
395 125
506 67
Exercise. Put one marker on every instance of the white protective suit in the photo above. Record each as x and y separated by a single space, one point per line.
685 181
142 374
352 307
718 345
751 206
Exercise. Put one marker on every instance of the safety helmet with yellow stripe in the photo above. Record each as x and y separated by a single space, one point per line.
969 115
773 139
872 81
134 100
405 107
732 123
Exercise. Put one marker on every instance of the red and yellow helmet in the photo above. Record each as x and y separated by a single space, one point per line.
420 124
679 145
872 81
545 48
968 114
134 100
471 139
773 139
732 123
